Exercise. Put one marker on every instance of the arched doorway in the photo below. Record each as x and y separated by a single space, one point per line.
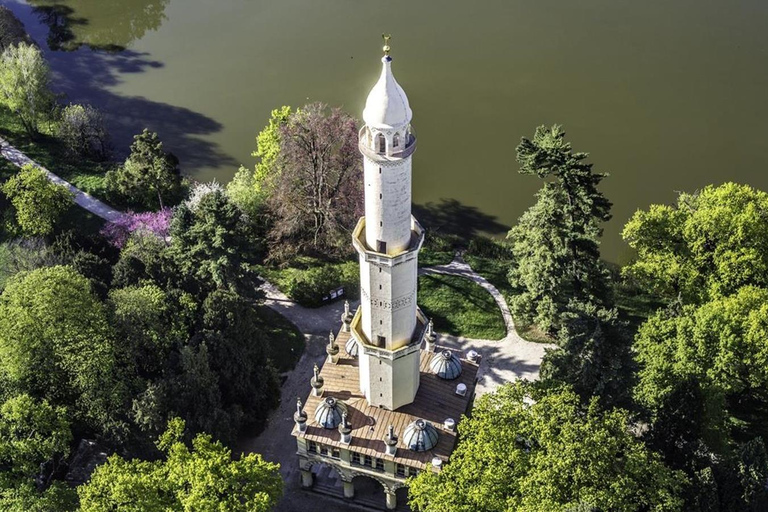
402 498
369 491
326 479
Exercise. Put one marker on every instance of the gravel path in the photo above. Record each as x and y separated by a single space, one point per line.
87 201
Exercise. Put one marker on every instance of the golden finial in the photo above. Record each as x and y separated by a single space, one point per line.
386 38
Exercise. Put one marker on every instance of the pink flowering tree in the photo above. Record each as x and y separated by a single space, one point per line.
157 223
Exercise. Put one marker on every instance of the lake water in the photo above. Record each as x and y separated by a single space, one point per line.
665 95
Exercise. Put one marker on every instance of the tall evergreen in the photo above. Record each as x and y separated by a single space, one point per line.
556 242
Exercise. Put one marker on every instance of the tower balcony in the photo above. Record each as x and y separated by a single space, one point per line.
389 150
388 260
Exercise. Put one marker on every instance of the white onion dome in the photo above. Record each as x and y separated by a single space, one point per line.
445 365
420 436
387 105
329 412
351 347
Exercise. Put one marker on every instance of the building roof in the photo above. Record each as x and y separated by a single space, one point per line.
387 105
436 400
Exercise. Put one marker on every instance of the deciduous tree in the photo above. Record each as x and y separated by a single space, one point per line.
38 202
203 478
706 246
318 194
24 84
529 449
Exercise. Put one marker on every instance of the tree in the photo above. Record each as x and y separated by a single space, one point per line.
56 343
38 202
150 323
83 132
150 176
527 448
556 242
31 432
240 355
718 352
203 478
706 246
24 84
212 244
594 356
318 193
250 187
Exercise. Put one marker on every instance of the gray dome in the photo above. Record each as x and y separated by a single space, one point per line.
420 436
445 365
329 411
351 347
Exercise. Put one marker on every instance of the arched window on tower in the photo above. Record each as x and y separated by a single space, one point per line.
382 143
396 141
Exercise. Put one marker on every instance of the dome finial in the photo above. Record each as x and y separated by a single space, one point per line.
386 47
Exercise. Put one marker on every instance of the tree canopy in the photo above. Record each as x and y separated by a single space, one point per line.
202 478
708 245
527 448
25 84
38 202
56 342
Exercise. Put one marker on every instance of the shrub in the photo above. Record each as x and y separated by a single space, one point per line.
308 286
157 223
485 247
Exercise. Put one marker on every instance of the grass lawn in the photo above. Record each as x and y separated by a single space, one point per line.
495 271
460 307
48 151
308 279
286 340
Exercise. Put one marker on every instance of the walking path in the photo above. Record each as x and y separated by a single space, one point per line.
83 199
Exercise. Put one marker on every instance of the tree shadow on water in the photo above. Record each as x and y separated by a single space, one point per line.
450 217
87 76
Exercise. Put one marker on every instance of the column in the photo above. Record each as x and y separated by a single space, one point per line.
391 499
349 490
306 478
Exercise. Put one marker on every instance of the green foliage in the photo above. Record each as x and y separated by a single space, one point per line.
56 342
251 187
594 356
311 280
556 242
150 177
82 130
150 323
213 244
707 246
31 432
460 307
203 478
24 84
38 202
717 350
240 355
11 30
527 449
25 497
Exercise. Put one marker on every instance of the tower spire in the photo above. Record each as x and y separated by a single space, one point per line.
386 48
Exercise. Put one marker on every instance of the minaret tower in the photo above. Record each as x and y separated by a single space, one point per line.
388 326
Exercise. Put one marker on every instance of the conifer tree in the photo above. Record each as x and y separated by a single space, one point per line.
556 242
